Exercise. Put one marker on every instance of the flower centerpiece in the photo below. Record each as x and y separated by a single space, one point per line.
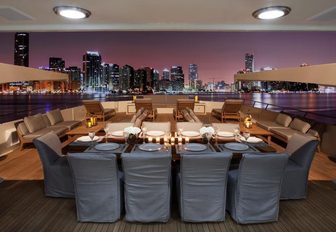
207 132
131 134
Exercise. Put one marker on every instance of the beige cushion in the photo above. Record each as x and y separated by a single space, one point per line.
268 124
230 127
189 126
23 130
138 122
46 120
283 120
133 118
55 116
299 125
296 141
117 126
34 123
139 112
69 124
155 126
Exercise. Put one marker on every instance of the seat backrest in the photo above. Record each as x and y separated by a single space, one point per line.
189 126
295 142
93 106
203 180
117 126
232 105
304 155
147 186
145 103
49 148
155 126
230 127
182 104
96 180
259 178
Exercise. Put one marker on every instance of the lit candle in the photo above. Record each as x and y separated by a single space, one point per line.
196 98
179 139
89 124
172 140
165 139
187 140
150 139
157 140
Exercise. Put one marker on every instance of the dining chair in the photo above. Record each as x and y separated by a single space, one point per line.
57 174
229 127
230 110
147 186
201 186
301 150
95 109
97 186
157 126
254 188
189 126
147 104
182 104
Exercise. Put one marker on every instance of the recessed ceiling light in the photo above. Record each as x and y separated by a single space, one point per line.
72 12
271 12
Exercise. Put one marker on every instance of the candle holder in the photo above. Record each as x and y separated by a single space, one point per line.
134 98
248 122
196 99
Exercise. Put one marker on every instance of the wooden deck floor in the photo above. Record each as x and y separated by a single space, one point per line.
23 206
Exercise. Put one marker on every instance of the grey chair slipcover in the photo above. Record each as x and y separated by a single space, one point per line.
147 186
295 181
57 174
254 188
202 185
97 186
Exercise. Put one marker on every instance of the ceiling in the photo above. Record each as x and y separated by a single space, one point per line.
167 15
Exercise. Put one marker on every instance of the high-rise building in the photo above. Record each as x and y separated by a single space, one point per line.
156 77
249 62
104 80
92 69
177 78
114 77
140 79
21 49
149 78
126 79
193 75
56 63
165 74
75 77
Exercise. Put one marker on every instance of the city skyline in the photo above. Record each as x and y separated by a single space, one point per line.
219 55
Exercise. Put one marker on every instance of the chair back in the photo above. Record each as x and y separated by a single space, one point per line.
232 105
258 187
230 127
49 148
189 126
154 126
117 126
93 107
182 104
203 180
97 186
145 103
57 175
147 186
296 141
304 155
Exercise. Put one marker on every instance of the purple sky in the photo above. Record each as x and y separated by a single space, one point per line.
219 54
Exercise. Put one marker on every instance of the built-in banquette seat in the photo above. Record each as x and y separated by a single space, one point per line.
37 125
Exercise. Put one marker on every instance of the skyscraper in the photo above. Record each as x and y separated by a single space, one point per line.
56 63
126 77
114 77
21 49
165 74
193 75
249 62
177 78
92 69
74 77
156 77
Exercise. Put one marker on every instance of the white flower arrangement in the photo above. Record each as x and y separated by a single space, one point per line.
207 130
132 130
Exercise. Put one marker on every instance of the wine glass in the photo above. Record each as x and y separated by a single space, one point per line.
106 129
236 133
180 132
91 136
126 134
246 135
144 131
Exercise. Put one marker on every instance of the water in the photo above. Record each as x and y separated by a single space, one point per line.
320 107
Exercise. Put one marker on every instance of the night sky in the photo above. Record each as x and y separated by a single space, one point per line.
219 54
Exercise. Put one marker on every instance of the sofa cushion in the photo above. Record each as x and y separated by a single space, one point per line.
284 132
46 120
283 120
69 124
268 124
138 123
59 130
34 123
133 118
22 128
299 125
55 116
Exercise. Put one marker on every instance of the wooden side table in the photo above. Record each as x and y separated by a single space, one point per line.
199 108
